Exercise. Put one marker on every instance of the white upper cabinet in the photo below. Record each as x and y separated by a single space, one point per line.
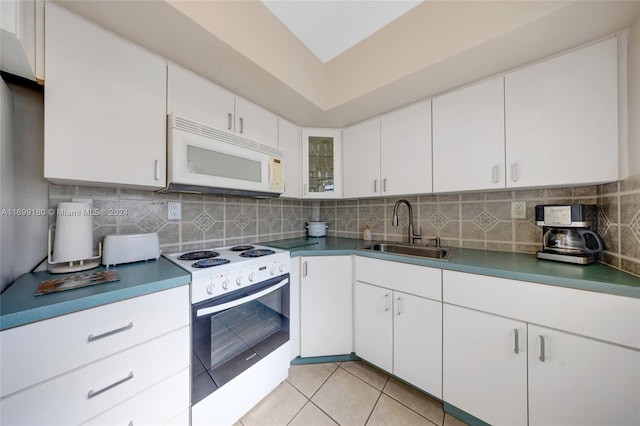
406 150
389 155
289 143
562 119
321 163
361 156
198 99
468 138
256 123
104 107
21 32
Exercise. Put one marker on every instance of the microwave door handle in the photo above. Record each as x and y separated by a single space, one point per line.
234 303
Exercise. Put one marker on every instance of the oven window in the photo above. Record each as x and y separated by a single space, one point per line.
228 342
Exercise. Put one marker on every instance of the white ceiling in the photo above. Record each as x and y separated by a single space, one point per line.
329 28
435 47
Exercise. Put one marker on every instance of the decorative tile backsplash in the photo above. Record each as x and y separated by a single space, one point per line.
473 220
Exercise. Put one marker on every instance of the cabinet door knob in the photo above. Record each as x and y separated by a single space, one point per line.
304 269
542 349
384 185
387 305
516 342
375 186
241 125
399 305
229 121
157 166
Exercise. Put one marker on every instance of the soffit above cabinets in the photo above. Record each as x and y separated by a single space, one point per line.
435 47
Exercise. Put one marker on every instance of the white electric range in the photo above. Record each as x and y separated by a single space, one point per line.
239 327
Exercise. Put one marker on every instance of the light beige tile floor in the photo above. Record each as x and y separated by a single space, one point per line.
349 393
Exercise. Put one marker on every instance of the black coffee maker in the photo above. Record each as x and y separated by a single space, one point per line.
568 233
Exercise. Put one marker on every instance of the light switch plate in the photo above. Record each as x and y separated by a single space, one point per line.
174 210
518 210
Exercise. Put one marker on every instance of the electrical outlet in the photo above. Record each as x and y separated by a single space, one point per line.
518 210
174 210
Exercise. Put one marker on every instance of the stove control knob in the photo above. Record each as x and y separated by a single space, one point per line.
281 268
252 276
225 284
239 280
210 289
273 270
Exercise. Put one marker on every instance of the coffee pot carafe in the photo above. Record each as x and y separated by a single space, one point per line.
568 234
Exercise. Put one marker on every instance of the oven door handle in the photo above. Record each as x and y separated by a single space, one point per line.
234 303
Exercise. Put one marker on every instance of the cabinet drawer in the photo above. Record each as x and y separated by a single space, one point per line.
155 406
67 399
602 316
413 279
39 351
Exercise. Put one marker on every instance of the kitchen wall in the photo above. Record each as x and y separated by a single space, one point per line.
472 220
207 220
483 219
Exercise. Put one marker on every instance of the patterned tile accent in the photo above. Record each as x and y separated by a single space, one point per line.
151 223
603 222
204 221
438 220
241 221
485 221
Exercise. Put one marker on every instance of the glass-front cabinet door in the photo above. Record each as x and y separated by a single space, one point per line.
322 163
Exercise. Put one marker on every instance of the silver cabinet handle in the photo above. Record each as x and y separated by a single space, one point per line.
157 169
542 354
93 393
386 303
495 170
516 343
304 269
375 186
241 125
399 304
229 121
514 172
384 185
92 338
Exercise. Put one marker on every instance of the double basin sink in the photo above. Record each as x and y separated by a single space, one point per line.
427 252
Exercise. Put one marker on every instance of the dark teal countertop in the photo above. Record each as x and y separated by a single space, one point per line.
518 266
18 305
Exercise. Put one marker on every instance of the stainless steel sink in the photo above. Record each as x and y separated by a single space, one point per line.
437 253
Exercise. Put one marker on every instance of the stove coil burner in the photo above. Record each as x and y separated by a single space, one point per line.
257 253
241 248
197 255
208 263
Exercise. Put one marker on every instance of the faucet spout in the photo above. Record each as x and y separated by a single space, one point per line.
394 221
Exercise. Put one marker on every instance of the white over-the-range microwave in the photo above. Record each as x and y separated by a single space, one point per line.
204 159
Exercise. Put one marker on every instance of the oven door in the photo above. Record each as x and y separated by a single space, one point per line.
233 332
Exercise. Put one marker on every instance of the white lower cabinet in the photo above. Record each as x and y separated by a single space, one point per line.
485 365
502 365
400 333
398 320
326 306
575 380
121 361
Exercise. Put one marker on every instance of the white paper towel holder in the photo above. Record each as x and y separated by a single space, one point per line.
73 246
